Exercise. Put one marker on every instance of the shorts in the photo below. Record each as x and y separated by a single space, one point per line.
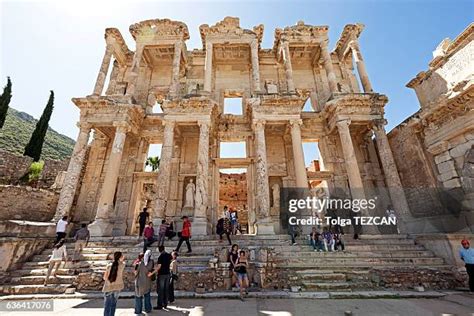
241 276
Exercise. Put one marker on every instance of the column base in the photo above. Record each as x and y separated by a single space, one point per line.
265 227
101 228
200 227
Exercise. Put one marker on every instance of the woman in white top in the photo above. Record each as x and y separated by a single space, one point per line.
59 254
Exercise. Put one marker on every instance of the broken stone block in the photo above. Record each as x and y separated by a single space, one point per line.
451 184
461 149
446 166
442 157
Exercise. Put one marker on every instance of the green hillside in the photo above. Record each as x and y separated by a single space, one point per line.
17 131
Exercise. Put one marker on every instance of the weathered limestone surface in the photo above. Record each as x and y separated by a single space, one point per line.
433 149
190 89
13 167
27 203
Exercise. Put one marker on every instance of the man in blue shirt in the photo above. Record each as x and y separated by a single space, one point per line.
467 255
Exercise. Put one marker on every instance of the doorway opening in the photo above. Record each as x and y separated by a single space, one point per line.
233 194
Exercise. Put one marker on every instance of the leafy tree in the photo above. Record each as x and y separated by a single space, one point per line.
153 162
35 170
35 145
5 101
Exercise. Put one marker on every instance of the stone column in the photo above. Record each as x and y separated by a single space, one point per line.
364 77
164 173
208 68
103 223
298 154
174 89
200 224
113 78
68 190
104 68
134 70
285 47
264 223
328 66
255 66
394 185
352 169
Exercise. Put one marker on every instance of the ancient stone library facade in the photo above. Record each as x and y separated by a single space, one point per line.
162 93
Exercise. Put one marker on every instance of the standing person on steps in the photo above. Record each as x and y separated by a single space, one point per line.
61 227
174 275
143 218
113 283
185 234
163 279
143 283
466 253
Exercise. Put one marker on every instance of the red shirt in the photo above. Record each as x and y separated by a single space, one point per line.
148 232
186 232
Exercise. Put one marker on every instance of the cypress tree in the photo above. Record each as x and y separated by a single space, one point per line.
35 145
5 101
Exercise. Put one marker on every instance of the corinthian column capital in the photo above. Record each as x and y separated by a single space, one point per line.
296 123
379 125
259 124
343 123
168 123
122 127
84 126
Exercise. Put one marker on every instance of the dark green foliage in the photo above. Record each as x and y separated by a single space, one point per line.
5 101
17 131
153 162
35 145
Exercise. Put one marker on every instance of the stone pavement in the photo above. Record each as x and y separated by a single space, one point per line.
451 304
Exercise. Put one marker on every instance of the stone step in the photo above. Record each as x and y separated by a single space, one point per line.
352 265
361 254
359 261
37 289
355 247
321 276
130 256
326 286
39 279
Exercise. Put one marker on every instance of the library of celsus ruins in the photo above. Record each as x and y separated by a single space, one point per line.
163 93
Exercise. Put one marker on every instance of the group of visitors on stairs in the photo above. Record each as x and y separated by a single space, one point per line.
163 271
165 230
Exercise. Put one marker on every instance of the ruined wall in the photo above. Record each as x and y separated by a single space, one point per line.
415 172
233 191
27 203
13 167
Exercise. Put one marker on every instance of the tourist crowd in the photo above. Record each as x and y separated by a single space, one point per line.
164 270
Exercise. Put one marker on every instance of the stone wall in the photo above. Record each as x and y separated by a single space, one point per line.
20 240
415 171
27 203
13 167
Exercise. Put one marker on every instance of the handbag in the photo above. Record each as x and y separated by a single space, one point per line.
240 269
174 277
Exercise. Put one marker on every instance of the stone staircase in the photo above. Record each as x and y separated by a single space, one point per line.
296 266
359 265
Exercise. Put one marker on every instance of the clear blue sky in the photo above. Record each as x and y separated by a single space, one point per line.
59 44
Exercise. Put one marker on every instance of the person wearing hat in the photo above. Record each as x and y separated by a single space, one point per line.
467 255
185 234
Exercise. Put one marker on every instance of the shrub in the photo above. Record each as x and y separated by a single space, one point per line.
35 171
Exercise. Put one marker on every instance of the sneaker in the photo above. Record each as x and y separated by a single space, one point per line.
293 244
189 251
315 250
